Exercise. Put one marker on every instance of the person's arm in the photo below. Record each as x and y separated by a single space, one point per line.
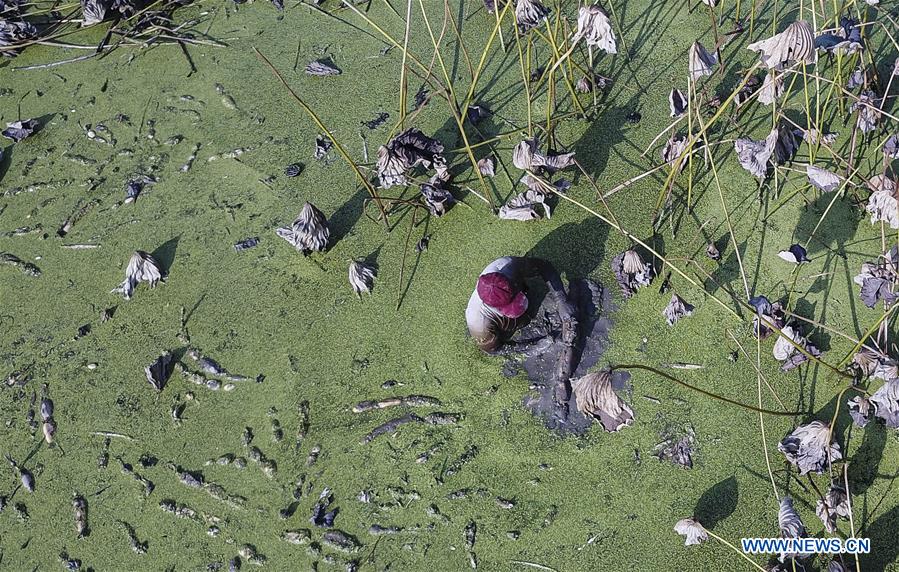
530 267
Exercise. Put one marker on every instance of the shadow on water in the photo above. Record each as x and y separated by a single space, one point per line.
5 160
594 147
884 548
345 218
165 253
717 503
863 470
843 420
575 249
838 227
372 259
819 337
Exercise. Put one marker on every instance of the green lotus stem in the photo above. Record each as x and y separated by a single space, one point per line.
715 396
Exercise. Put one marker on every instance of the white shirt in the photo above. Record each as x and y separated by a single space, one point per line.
483 319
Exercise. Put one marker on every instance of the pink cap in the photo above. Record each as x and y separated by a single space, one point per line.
497 291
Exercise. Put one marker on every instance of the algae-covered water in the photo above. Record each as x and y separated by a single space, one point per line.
602 501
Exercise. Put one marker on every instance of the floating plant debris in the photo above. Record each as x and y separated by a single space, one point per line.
754 155
246 244
691 530
159 371
596 398
790 524
701 61
676 309
293 170
437 197
309 232
595 28
834 505
487 167
632 272
322 68
142 267
809 447
822 179
677 103
19 130
883 204
877 279
886 403
772 88
868 111
529 14
322 147
406 151
362 277
795 254
795 44
26 267
527 158
523 207
378 120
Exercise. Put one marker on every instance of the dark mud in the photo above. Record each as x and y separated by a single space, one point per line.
593 305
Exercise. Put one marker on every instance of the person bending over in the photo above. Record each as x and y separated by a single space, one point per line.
498 306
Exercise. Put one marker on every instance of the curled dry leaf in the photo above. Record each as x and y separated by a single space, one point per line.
891 147
159 372
878 280
586 85
882 204
872 363
18 130
437 197
790 524
847 39
674 148
754 155
835 504
597 399
676 309
487 167
795 44
886 403
860 410
809 447
405 151
142 267
94 11
322 68
693 532
362 277
15 32
309 231
783 348
631 272
772 88
868 111
594 27
523 206
677 103
701 61
529 14
822 179
795 254
526 157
